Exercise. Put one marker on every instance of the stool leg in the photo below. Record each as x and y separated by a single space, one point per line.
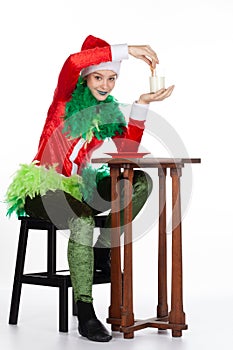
19 268
63 307
51 250
176 316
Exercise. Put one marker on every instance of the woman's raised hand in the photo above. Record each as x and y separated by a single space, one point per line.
145 53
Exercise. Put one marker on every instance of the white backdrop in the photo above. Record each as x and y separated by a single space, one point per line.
193 40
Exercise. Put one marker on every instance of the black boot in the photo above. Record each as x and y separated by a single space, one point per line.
89 326
102 263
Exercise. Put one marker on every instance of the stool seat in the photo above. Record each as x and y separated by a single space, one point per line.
51 277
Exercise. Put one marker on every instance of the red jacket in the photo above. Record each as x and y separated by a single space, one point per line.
71 156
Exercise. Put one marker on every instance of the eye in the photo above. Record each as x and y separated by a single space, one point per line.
97 77
112 78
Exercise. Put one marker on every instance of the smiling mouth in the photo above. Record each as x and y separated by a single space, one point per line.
102 93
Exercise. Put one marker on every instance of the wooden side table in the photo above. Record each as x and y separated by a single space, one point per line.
121 315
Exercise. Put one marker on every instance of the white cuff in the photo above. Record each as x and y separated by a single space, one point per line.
119 52
139 111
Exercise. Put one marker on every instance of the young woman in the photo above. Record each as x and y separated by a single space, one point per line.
60 185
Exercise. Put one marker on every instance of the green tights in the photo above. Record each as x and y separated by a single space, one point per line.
80 251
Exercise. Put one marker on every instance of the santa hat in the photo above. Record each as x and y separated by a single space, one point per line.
92 42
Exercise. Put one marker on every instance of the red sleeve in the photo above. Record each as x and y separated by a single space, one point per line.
130 140
85 153
67 81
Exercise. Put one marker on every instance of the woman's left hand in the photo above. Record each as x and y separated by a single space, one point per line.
159 95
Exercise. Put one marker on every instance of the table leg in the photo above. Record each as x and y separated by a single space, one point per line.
116 274
127 316
176 315
162 308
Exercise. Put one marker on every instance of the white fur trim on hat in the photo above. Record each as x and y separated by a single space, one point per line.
110 65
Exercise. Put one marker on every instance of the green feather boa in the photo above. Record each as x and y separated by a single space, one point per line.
86 117
31 180
90 178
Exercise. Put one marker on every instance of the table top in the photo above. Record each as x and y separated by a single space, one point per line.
147 161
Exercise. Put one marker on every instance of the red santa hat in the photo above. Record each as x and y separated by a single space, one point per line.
92 42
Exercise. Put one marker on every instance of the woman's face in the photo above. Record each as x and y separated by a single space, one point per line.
101 83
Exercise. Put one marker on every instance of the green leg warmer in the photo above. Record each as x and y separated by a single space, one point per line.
80 257
142 187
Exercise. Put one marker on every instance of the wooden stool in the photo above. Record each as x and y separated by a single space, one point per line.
51 277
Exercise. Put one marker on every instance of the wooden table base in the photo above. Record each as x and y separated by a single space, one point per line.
153 322
121 315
